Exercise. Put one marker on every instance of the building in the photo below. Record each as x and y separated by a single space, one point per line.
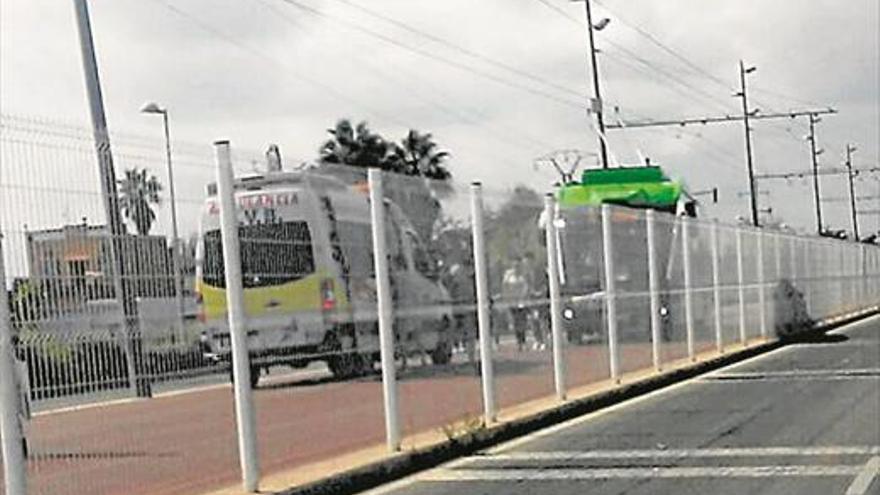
74 265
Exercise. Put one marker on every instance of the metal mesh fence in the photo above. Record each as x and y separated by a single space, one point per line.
517 267
120 323
582 290
105 313
630 253
434 300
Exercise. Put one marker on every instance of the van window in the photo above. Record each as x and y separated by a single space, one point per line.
271 254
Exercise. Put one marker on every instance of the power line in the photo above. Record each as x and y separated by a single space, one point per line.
558 10
805 174
433 56
453 112
657 68
693 66
461 49
255 52
663 72
667 49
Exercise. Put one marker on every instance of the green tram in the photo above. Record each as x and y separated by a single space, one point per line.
579 223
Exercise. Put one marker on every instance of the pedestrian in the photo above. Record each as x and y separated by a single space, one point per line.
515 290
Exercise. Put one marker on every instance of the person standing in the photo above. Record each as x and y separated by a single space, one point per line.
515 289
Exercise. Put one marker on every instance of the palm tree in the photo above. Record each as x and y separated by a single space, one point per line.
416 155
419 156
137 193
358 146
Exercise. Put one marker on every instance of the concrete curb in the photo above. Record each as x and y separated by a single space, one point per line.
410 462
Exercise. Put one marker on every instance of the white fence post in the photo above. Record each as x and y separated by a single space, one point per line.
610 293
762 298
555 307
483 318
688 285
14 463
742 292
384 304
716 287
244 401
653 289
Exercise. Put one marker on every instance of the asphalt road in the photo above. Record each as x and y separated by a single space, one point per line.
804 419
184 443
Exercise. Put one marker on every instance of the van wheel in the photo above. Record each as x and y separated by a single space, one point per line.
255 376
345 365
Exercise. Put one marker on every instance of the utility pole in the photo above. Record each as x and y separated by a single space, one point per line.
596 103
814 154
852 192
746 114
122 290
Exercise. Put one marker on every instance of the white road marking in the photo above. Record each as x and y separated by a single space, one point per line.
579 474
680 453
776 375
866 476
655 395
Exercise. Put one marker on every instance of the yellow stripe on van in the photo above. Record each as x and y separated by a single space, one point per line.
297 296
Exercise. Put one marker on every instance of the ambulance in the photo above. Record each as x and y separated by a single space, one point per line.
308 275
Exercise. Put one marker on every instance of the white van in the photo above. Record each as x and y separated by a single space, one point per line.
308 276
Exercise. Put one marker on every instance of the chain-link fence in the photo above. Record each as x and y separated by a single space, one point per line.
361 308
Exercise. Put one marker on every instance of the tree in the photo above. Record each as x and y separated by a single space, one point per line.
358 147
138 192
417 157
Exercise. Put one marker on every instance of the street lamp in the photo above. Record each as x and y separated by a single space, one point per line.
743 70
596 101
155 109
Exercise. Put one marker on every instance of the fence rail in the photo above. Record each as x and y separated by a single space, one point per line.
464 301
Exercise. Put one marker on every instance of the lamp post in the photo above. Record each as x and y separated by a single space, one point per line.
153 108
743 70
852 191
596 102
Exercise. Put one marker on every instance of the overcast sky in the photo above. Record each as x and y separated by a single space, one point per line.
282 71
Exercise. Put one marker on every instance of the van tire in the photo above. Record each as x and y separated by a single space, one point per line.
255 376
346 365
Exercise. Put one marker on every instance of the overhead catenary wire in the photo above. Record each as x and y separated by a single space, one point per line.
439 58
678 55
663 46
462 49
260 54
507 136
656 67
696 68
